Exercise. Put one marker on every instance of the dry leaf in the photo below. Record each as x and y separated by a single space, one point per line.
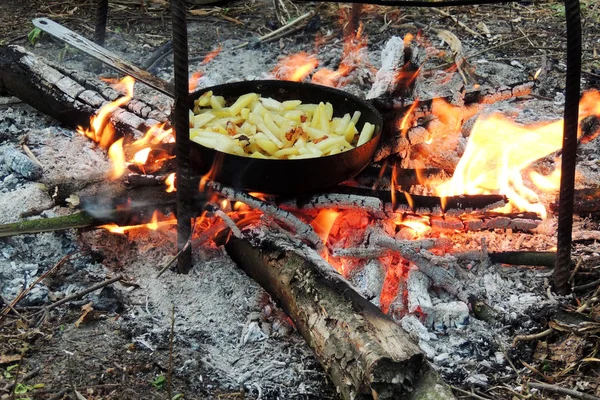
569 350
87 314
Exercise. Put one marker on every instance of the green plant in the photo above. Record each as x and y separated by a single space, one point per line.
7 372
559 9
159 382
178 396
34 35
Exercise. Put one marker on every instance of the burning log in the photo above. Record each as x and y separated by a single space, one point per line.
400 140
67 96
378 201
366 355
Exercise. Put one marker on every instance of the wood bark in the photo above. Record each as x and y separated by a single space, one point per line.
68 96
366 354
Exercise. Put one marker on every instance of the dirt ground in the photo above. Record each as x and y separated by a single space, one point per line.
104 359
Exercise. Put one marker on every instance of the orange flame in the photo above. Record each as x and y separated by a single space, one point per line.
211 55
154 224
101 131
404 123
352 58
324 222
170 182
295 67
194 79
117 158
500 149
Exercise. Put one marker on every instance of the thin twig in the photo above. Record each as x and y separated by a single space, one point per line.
301 18
230 223
25 378
593 298
176 256
473 395
535 336
82 293
587 286
459 23
171 340
60 394
562 390
14 393
576 269
46 274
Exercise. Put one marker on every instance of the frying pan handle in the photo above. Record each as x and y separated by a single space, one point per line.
100 53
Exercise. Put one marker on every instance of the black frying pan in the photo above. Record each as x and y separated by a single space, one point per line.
287 176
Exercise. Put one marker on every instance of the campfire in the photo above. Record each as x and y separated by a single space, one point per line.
390 259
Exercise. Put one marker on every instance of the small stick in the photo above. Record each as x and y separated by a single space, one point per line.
590 301
46 274
303 230
587 286
77 220
176 256
561 390
25 378
576 269
534 336
30 154
470 394
301 18
229 222
60 394
360 252
459 23
82 293
171 340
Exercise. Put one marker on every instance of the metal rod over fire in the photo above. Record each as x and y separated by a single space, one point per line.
182 135
569 150
101 18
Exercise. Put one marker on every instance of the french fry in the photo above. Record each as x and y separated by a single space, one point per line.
262 127
243 101
366 133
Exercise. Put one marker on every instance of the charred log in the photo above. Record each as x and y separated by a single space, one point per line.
366 355
586 202
68 97
397 201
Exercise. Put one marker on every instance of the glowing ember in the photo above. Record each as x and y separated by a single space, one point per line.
296 67
170 182
500 149
392 285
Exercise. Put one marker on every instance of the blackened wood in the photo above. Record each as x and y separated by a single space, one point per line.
68 96
586 202
366 355
403 202
395 141
533 258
